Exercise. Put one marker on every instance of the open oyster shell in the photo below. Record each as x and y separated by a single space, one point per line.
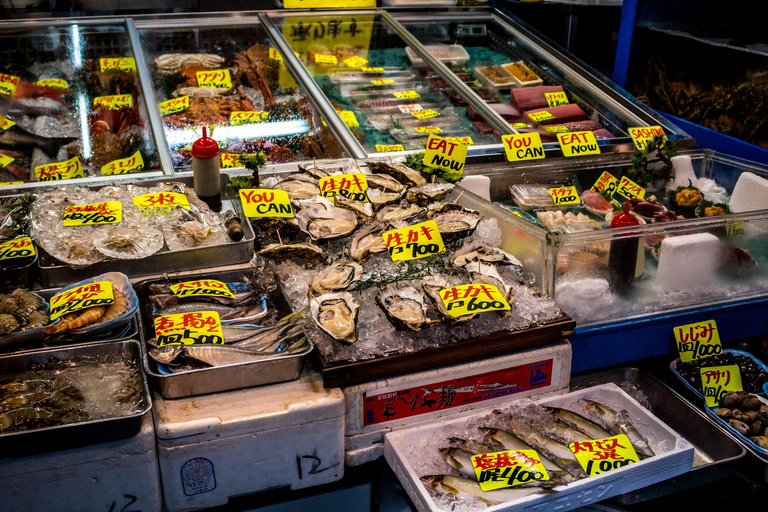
368 241
326 224
392 213
337 276
429 193
405 307
282 252
400 172
432 286
483 252
455 225
336 314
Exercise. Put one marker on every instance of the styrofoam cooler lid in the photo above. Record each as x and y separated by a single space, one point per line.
233 413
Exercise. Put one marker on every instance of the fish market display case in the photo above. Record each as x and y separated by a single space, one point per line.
81 110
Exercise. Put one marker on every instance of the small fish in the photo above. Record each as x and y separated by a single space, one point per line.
164 300
465 488
252 310
580 423
559 431
618 423
474 446
16 137
509 442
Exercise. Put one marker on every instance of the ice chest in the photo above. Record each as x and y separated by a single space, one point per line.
380 406
676 460
217 446
116 475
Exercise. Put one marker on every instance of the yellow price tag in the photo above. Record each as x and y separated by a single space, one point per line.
238 118
558 128
386 81
406 95
80 297
556 99
133 163
642 135
174 105
4 183
630 189
498 470
124 64
265 202
114 102
17 248
8 84
443 153
606 182
414 242
697 341
202 287
326 59
5 160
66 170
217 78
426 114
109 212
7 123
733 230
386 148
578 143
428 129
410 108
603 455
275 55
350 185
349 118
230 160
716 381
355 62
540 116
326 4
470 299
467 141
54 83
194 328
518 126
159 200
372 70
523 146
564 195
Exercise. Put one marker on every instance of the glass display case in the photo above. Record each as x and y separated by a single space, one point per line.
79 110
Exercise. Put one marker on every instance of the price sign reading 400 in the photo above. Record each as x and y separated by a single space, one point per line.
196 327
716 381
469 299
603 455
508 468
109 212
413 242
699 340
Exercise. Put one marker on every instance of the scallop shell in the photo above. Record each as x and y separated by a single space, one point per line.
129 243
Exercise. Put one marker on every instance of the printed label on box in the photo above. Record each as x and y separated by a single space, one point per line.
198 476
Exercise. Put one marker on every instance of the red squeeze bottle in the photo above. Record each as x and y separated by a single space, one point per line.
622 258
205 170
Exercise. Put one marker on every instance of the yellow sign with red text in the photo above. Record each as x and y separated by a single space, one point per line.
216 78
556 99
66 170
350 185
202 288
467 141
115 102
642 135
443 153
386 148
238 117
355 62
8 84
161 200
133 163
523 146
564 195
406 95
602 455
630 189
413 242
697 341
108 212
17 248
716 381
470 299
80 297
54 83
5 124
5 160
425 114
498 470
197 327
122 63
540 116
174 105
606 182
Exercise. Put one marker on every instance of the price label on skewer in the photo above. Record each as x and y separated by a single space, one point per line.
386 81
55 83
467 141
428 129
108 212
602 455
540 116
606 182
194 328
414 242
8 84
406 95
509 468
7 123
66 170
564 195
470 299
265 202
133 163
123 64
425 114
697 341
202 287
518 126
630 189
217 78
408 109
555 129
17 248
355 62
174 105
716 381
5 160
80 297
350 185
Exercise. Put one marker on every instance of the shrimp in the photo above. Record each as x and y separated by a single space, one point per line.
117 308
89 316
61 326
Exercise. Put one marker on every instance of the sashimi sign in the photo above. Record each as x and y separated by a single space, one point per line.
443 153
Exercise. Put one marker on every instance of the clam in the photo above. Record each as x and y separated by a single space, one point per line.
432 286
364 211
379 199
455 225
129 243
298 186
384 182
337 276
336 314
429 193
482 252
326 224
400 172
390 213
281 252
405 307
367 241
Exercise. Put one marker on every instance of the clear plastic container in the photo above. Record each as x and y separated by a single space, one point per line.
360 76
448 53
522 74
494 75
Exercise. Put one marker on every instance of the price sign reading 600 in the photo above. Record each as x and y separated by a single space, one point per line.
469 299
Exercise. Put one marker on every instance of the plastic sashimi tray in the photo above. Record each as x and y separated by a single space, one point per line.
676 460
673 366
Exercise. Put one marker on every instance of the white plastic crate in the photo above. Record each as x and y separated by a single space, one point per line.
217 446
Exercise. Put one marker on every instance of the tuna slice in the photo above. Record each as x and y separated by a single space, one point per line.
508 112
528 98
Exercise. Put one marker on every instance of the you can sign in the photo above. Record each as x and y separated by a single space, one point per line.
265 202
523 146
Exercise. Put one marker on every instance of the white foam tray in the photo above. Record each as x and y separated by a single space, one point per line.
677 460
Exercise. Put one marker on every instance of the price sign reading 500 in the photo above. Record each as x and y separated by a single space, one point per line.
197 327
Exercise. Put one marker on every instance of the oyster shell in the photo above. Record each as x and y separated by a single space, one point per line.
488 274
438 208
432 286
380 199
298 186
483 252
405 307
288 228
384 182
367 241
326 224
336 314
364 211
456 225
429 193
186 229
390 213
318 202
337 276
281 252
129 243
400 172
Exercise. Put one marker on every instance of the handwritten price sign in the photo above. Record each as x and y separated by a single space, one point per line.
387 148
67 170
498 470
716 381
414 242
81 297
642 135
556 99
603 455
409 109
114 102
54 83
697 341
4 125
109 212
471 299
564 195
197 327
8 84
123 64
355 62
219 79
17 248
5 160
385 81
630 189
265 202
406 95
326 59
238 118
203 287
428 129
523 146
606 182
134 163
161 200
174 106
351 185
467 141
540 116
425 114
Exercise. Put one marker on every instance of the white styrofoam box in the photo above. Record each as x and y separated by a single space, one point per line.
674 460
349 495
116 475
381 405
213 447
365 455
480 185
688 259
749 194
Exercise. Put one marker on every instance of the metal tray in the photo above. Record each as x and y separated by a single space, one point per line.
715 453
53 273
219 378
82 433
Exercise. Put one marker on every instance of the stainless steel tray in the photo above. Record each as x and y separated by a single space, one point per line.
53 273
715 452
82 433
220 378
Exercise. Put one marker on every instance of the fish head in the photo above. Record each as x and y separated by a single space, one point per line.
591 406
448 456
488 433
432 481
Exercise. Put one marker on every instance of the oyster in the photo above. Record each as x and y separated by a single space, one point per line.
318 202
367 241
438 208
326 225
313 171
405 307
483 252
488 274
129 243
284 226
298 186
390 213
380 199
337 276
432 286
364 211
429 193
400 172
455 225
336 314
281 252
384 182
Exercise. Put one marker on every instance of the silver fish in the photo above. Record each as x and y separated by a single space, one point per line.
222 355
510 442
241 313
578 422
474 446
164 300
165 354
465 488
618 423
